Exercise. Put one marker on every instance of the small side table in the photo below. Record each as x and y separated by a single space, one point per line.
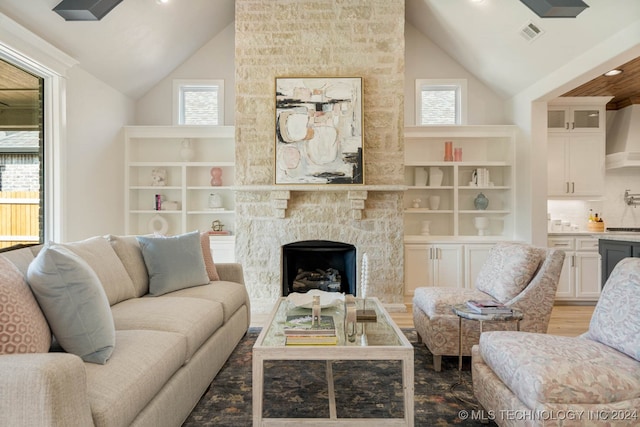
464 312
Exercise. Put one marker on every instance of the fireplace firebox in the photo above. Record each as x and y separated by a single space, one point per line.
318 264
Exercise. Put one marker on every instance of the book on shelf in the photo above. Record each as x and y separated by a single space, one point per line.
488 306
302 324
311 339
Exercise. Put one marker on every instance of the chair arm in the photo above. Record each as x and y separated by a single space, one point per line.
230 272
48 389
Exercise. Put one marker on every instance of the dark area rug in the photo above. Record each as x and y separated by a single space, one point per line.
367 389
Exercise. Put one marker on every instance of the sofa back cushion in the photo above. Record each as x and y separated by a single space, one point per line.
23 327
616 318
73 302
128 250
104 261
508 270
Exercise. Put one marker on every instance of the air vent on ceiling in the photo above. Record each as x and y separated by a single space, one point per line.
531 32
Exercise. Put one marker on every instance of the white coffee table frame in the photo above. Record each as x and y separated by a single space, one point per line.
350 351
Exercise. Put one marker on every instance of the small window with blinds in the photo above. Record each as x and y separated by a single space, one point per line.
440 102
199 102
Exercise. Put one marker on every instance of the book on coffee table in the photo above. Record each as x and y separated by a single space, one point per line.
302 324
312 340
488 306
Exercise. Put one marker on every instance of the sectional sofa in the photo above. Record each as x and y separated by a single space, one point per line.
115 330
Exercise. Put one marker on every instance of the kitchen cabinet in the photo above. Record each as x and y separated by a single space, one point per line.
580 276
433 265
576 165
157 166
575 119
614 251
484 148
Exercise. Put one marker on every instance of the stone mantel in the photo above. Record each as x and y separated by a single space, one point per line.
357 194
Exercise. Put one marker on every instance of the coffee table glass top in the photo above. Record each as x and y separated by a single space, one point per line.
382 332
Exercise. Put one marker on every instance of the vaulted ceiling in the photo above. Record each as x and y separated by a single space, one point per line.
140 41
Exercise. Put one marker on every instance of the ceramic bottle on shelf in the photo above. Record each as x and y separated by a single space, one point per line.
420 176
187 153
481 202
435 176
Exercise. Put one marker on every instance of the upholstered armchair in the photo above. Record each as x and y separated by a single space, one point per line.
549 380
518 275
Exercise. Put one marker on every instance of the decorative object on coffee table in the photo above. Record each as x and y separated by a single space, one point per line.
364 314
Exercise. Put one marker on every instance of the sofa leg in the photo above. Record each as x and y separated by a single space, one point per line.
437 363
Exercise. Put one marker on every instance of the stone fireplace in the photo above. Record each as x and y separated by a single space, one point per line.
360 38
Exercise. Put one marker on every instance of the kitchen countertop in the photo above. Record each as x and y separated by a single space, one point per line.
606 235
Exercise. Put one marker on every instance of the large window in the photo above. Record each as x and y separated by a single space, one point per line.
21 157
198 102
440 102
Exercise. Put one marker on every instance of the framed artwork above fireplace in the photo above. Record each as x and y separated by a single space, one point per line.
319 138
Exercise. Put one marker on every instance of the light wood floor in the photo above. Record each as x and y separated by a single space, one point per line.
567 320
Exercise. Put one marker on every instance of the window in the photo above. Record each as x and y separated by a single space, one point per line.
441 102
198 102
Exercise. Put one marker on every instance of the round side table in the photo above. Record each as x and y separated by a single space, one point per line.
464 312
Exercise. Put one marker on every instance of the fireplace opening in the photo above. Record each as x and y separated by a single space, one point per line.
318 264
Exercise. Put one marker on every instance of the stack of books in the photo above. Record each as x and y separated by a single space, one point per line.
488 307
299 329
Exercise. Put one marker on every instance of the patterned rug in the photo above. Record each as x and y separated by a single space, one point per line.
363 389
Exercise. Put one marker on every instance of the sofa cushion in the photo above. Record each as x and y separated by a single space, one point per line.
173 262
195 319
437 301
73 302
508 270
616 318
230 295
128 250
23 327
101 257
22 257
209 265
141 364
547 369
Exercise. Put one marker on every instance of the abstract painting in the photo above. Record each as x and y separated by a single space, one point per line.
319 130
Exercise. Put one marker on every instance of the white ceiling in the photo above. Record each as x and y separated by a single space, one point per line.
139 42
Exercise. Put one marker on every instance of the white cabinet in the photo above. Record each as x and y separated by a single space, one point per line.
580 277
475 256
576 165
186 183
563 118
486 150
433 265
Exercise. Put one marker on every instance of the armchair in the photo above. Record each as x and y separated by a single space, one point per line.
518 275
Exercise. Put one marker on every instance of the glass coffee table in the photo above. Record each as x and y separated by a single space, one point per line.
379 340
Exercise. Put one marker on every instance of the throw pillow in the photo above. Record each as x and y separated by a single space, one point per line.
74 303
209 265
508 270
23 327
128 250
173 262
616 318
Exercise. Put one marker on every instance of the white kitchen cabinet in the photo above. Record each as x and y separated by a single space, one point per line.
562 118
187 184
580 277
489 148
576 165
433 265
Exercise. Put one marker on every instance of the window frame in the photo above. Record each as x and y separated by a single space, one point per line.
178 105
461 99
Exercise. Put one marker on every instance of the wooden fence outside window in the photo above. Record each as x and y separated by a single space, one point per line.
19 217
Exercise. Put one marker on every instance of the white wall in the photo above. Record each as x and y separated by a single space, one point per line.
425 60
215 60
94 175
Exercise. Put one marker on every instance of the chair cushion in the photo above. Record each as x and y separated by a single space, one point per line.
23 327
439 300
616 318
74 303
173 262
508 270
546 369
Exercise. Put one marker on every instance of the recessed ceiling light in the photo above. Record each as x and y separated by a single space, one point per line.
613 72
162 1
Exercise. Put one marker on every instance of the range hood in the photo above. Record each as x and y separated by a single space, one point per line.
623 138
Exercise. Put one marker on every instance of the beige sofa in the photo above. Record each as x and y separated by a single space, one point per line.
531 379
167 348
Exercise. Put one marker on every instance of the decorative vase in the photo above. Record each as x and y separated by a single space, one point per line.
215 201
425 231
216 177
187 153
420 177
435 176
481 223
434 202
457 154
448 151
481 202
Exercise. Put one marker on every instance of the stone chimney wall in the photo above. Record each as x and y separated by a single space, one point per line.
320 38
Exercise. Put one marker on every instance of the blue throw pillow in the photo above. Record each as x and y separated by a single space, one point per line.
173 262
73 302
